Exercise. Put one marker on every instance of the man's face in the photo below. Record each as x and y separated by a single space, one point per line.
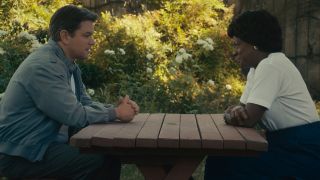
244 53
81 41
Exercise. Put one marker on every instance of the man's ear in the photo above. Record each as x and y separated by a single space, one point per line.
64 36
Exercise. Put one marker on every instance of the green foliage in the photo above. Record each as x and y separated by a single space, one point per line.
170 55
23 25
318 106
14 48
29 14
163 59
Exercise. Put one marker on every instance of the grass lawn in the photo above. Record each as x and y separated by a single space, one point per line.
131 172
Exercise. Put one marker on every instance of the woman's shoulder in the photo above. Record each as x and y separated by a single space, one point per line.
276 61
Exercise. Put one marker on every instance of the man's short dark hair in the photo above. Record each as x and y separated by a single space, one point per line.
69 18
258 28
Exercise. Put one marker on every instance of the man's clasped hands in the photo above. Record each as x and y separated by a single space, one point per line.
126 109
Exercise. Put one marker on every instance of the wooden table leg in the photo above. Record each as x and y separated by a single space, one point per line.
182 169
152 172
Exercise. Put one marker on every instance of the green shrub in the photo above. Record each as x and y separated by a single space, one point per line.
14 48
23 27
318 106
30 14
174 59
164 59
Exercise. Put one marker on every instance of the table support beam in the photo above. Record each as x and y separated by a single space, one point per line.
181 169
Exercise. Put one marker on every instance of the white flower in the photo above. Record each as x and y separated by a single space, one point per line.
2 32
35 45
182 50
228 86
26 35
122 52
110 52
90 92
172 70
179 59
201 42
149 70
186 56
207 44
149 56
208 47
210 82
182 55
2 51
209 40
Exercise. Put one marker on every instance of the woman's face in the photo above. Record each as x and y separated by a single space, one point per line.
244 53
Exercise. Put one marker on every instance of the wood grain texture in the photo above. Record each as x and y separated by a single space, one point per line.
189 133
126 137
169 134
232 139
210 135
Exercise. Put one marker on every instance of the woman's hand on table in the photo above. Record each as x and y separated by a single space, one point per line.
236 115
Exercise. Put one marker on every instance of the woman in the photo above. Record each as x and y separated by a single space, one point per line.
276 98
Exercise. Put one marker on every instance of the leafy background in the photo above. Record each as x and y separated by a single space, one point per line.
175 58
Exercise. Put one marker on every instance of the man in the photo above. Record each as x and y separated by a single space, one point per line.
45 96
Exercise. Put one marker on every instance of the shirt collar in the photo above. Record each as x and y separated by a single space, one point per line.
59 51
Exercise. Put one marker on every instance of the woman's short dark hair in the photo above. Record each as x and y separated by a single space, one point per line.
258 28
69 18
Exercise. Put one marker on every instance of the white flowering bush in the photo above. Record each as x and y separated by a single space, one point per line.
228 87
23 26
15 46
172 59
149 57
206 44
175 59
90 91
109 52
29 14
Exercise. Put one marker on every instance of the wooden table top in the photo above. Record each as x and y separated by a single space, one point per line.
198 132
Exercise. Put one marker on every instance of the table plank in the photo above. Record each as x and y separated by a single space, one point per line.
148 136
83 138
104 138
254 140
126 137
169 133
210 135
232 138
189 133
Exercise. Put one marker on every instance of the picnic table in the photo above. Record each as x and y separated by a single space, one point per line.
169 146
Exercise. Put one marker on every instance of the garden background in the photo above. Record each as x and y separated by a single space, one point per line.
168 56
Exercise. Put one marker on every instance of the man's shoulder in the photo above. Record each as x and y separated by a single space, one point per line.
44 54
43 60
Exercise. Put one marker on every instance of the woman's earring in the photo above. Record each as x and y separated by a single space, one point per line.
255 47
